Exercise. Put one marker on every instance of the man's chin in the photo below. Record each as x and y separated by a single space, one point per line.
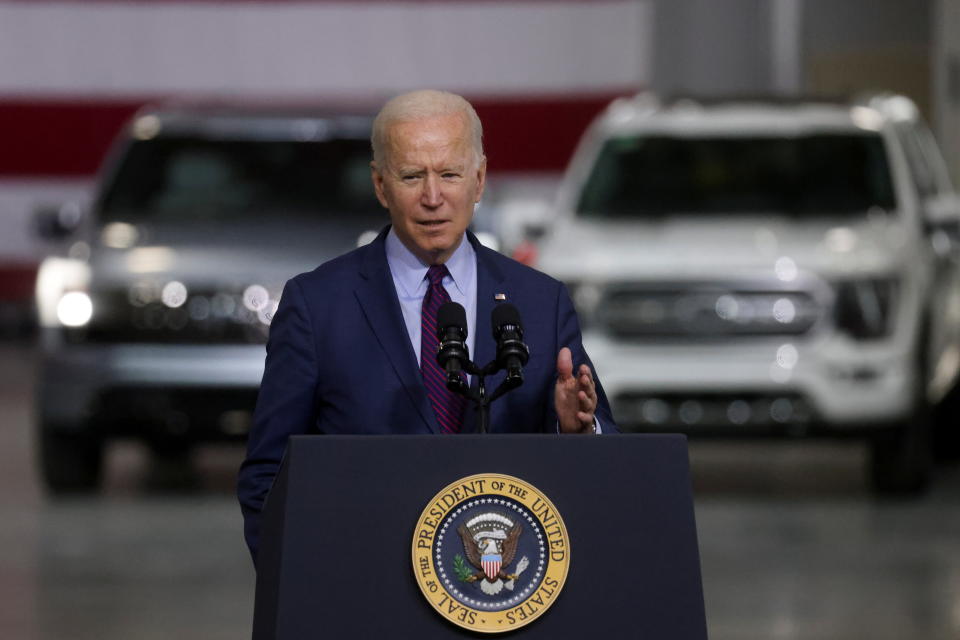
438 246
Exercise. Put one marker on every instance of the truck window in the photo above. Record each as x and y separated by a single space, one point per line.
193 178
810 175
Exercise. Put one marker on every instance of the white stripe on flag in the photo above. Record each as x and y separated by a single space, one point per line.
264 48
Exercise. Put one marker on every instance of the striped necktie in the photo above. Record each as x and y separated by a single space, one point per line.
448 406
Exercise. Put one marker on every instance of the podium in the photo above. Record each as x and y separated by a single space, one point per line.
340 521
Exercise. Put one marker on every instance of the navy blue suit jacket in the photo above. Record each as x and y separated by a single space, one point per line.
339 361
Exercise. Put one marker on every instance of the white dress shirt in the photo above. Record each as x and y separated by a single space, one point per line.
410 280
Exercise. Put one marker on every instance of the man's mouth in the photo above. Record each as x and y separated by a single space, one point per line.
432 223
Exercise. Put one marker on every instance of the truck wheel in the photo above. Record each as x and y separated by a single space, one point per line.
69 462
901 459
946 432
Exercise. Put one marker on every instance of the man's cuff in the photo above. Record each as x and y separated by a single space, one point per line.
596 426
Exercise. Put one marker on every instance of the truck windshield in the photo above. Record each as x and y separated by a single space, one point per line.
824 174
201 179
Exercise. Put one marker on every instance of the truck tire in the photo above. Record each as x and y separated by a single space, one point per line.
901 459
946 429
70 462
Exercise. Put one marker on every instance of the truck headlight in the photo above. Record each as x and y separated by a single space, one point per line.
74 309
61 293
863 309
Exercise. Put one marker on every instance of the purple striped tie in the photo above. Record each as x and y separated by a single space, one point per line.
447 405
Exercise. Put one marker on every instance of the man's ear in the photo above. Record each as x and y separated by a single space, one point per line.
481 177
377 178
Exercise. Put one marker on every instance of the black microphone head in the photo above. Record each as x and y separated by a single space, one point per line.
508 332
451 314
505 314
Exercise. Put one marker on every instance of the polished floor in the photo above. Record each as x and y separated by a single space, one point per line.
793 546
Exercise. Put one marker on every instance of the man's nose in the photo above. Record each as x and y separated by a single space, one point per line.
432 195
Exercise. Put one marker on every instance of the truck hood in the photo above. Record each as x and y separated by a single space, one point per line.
735 247
225 255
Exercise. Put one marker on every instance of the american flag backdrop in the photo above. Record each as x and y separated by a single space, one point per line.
72 71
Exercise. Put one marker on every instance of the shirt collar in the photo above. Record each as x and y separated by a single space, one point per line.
410 273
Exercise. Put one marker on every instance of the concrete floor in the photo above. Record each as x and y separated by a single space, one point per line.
792 545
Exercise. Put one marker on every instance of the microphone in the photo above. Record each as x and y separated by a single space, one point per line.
512 353
452 352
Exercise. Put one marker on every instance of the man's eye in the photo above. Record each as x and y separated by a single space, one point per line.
408 178
451 174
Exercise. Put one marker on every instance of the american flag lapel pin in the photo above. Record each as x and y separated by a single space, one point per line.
500 296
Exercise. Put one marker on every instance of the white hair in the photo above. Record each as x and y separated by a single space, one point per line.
416 105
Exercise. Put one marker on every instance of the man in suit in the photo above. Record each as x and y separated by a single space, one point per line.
352 345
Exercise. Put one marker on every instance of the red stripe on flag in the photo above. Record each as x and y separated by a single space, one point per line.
17 281
535 134
59 138
69 137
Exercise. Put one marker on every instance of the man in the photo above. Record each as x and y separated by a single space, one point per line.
352 345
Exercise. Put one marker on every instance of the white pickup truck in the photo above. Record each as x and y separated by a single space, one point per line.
767 267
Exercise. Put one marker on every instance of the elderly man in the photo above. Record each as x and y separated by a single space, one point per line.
352 346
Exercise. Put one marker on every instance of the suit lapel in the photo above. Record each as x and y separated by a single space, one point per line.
378 299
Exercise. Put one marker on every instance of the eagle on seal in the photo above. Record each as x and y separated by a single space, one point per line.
489 551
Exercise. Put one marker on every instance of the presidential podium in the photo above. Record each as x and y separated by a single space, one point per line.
340 526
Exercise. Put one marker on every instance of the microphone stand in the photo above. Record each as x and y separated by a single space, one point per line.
479 396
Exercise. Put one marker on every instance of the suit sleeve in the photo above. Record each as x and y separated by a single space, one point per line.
568 335
286 405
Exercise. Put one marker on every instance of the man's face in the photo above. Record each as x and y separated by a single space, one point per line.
430 182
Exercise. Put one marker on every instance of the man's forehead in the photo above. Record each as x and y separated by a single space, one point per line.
452 126
450 118
445 135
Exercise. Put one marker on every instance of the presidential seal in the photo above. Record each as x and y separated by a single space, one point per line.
490 553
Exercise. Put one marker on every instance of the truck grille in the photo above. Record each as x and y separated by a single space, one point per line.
632 312
206 317
709 410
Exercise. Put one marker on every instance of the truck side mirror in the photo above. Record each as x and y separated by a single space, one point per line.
56 222
941 220
526 220
942 211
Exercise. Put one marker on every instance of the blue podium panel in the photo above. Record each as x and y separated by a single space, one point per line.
335 558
